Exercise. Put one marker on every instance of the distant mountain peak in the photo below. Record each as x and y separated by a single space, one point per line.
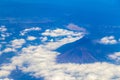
81 51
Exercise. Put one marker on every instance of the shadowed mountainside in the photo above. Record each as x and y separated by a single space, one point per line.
83 51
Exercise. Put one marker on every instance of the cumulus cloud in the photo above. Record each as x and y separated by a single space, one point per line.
44 51
29 29
60 32
13 46
67 37
3 33
40 61
9 50
31 38
108 40
72 26
17 43
43 39
115 56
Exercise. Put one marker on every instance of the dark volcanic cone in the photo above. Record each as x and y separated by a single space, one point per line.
83 51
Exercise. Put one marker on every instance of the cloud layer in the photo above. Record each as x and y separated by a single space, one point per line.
40 60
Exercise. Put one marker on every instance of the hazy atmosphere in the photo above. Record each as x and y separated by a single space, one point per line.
59 40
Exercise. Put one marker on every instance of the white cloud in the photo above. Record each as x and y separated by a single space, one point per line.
29 29
41 62
3 33
17 43
60 32
13 46
31 38
108 40
43 39
72 26
4 73
57 44
46 54
69 36
3 29
115 56
6 79
9 50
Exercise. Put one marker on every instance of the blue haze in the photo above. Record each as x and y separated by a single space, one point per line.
99 17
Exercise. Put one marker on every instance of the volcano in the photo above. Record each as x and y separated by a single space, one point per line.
83 50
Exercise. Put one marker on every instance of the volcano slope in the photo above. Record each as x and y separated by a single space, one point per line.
84 51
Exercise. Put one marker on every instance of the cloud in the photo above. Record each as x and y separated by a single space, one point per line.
115 56
3 32
55 41
72 26
43 39
13 46
31 38
29 29
6 79
59 32
40 61
108 40
44 50
17 43
9 50
3 28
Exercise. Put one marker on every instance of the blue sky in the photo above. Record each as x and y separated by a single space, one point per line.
86 11
71 2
